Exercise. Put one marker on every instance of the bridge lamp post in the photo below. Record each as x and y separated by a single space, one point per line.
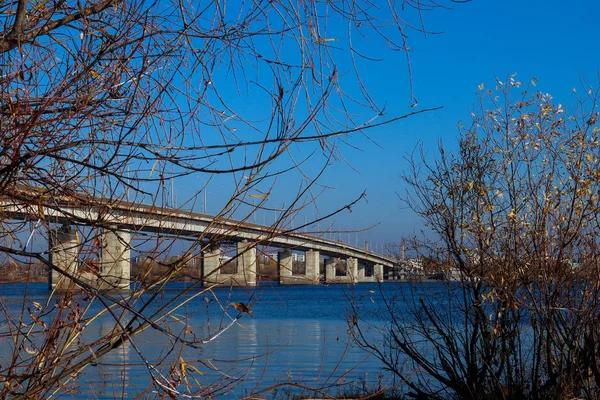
320 233
204 190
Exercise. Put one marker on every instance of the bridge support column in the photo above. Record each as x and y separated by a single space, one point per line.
63 249
246 263
211 261
284 266
115 270
352 269
360 277
312 266
372 276
378 272
330 265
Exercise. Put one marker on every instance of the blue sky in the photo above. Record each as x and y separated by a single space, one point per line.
549 40
478 41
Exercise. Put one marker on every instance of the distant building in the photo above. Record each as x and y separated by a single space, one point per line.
300 257
410 269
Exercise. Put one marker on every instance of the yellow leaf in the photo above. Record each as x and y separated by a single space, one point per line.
324 40
195 369
37 321
259 196
183 372
41 209
533 81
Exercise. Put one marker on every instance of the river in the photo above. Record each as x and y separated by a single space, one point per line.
298 334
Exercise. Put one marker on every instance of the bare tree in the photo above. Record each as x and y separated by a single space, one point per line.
514 212
107 102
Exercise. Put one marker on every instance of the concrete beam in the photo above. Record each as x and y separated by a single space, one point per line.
63 250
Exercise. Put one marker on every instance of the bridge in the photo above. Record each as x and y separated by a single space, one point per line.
119 219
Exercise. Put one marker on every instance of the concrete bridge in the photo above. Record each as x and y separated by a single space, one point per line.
119 219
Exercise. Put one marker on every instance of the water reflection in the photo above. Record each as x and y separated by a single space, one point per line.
112 376
298 335
309 352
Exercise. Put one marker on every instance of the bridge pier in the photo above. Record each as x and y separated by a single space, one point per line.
115 263
352 269
115 270
284 267
330 265
361 275
311 274
378 272
245 274
63 250
376 277
211 262
313 262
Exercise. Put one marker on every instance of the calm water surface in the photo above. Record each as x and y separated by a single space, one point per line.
298 334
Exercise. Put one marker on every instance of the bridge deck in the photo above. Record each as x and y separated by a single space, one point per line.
148 218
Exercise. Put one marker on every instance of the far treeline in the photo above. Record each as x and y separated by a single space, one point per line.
143 269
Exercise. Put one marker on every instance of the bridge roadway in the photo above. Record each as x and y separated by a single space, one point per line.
120 218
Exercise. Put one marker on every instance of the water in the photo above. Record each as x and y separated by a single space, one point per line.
298 334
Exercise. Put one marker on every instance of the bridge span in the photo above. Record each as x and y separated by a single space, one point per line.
119 219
